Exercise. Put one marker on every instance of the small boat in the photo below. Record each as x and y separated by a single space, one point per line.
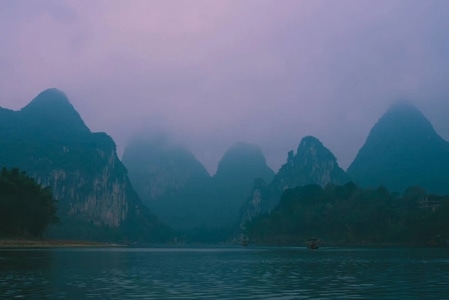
244 240
313 244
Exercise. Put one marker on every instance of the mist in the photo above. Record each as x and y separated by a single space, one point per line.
211 73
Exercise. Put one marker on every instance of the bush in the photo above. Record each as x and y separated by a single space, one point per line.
26 208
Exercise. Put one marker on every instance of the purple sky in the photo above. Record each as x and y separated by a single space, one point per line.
212 73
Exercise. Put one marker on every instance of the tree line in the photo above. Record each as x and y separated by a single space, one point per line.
351 215
26 208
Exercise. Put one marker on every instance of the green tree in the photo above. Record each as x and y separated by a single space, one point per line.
352 215
26 208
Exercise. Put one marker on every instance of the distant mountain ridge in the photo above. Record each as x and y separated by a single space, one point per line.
243 160
174 184
240 165
401 150
49 140
169 180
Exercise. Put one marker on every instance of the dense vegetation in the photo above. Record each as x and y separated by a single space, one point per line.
26 208
352 215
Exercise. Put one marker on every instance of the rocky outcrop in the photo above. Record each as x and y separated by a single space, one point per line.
49 140
258 202
312 164
403 150
100 198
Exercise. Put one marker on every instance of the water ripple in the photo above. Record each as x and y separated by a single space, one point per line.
227 273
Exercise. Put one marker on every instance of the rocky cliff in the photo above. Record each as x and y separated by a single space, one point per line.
312 164
49 140
401 150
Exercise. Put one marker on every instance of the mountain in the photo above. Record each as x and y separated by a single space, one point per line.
402 150
49 140
169 180
241 164
177 187
313 163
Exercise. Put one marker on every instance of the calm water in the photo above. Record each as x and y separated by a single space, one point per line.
224 273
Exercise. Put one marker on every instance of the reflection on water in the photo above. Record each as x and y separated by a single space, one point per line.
224 273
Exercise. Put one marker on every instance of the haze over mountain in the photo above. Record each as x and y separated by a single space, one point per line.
169 180
313 163
211 73
241 164
176 186
49 140
402 150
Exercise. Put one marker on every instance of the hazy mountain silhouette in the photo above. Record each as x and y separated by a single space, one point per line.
241 164
169 180
403 149
176 186
48 139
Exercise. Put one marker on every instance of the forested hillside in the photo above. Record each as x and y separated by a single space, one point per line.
350 215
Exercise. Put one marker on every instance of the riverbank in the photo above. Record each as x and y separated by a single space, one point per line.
39 243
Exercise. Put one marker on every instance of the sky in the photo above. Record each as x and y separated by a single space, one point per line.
212 73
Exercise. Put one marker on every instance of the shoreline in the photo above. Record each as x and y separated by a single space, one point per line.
30 243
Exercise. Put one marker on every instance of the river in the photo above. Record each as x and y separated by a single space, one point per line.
224 273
